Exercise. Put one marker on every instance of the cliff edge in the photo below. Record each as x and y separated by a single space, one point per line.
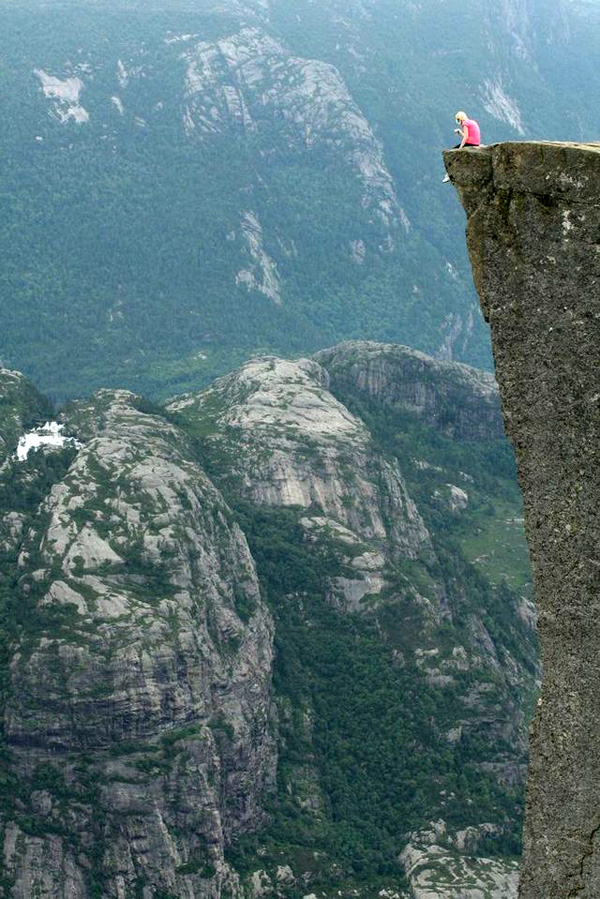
533 233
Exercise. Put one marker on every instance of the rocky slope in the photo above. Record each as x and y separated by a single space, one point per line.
533 236
274 433
457 400
136 716
292 444
155 744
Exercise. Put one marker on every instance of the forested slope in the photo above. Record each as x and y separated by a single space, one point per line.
182 187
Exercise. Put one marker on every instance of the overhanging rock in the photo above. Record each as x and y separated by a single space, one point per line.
533 233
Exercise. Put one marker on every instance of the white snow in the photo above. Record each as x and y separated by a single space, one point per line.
48 435
118 103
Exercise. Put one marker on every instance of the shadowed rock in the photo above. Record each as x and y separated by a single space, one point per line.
534 238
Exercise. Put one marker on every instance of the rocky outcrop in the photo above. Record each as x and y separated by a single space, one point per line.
458 400
140 723
290 443
249 76
137 714
444 864
533 224
275 434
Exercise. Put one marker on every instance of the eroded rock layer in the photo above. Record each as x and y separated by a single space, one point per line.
533 233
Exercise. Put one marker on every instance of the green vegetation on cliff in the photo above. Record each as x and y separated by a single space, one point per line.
363 761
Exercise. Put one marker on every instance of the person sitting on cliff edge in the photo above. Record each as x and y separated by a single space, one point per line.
469 131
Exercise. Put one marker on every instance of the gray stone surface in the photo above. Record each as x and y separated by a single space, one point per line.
142 674
292 444
442 863
139 717
458 400
534 237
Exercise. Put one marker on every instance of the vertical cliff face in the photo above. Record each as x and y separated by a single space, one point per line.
534 239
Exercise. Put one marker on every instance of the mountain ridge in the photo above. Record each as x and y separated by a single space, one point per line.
203 660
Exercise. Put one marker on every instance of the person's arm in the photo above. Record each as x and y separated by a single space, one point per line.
465 134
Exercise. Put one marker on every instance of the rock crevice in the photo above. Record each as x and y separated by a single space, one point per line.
533 233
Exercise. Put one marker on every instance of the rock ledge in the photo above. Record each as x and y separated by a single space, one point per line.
533 232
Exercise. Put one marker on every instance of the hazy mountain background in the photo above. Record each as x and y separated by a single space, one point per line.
185 184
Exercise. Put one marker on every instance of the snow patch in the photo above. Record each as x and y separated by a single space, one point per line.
504 108
48 435
119 104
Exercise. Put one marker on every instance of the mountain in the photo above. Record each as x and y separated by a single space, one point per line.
272 639
185 187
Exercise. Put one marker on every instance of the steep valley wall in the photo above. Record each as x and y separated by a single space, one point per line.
533 232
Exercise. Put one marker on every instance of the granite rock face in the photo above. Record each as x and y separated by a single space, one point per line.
460 401
533 232
292 444
138 710
238 80
277 434
442 863
141 728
